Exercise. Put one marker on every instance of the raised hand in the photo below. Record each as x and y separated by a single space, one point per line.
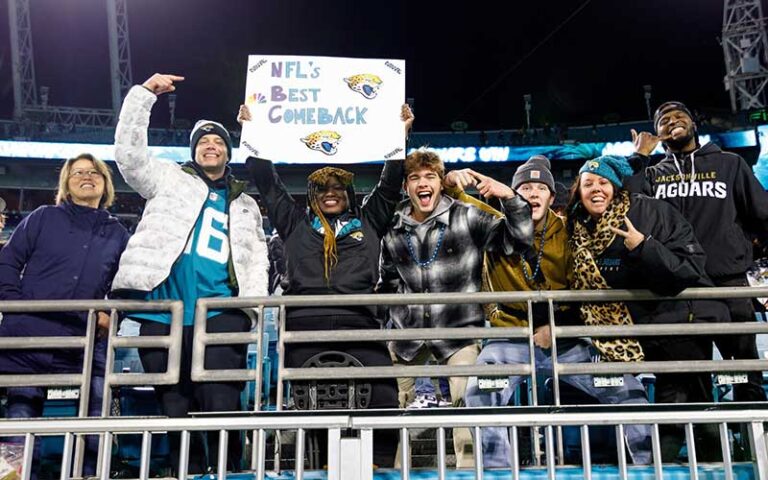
632 237
460 179
406 115
244 114
488 187
645 142
161 83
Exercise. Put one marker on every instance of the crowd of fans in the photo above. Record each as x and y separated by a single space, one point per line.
687 221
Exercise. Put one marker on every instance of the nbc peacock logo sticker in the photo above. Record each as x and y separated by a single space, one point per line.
323 141
366 84
255 98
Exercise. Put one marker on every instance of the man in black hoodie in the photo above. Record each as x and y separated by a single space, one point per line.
720 196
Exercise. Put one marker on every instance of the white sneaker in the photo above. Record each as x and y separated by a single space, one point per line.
423 401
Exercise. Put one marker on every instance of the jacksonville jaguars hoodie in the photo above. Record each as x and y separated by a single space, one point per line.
719 195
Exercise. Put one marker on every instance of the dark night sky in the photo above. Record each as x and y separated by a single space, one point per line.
590 71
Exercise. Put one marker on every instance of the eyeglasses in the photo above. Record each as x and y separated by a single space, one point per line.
85 173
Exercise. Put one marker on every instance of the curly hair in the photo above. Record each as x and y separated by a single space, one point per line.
423 158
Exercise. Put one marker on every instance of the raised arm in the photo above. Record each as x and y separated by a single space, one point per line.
645 143
379 207
282 210
454 184
512 233
138 168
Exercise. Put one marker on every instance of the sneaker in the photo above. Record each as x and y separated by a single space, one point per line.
444 403
423 401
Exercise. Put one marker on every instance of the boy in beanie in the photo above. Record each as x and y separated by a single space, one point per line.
548 266
201 236
718 193
332 247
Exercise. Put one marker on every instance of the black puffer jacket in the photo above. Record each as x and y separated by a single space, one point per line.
724 203
357 270
667 262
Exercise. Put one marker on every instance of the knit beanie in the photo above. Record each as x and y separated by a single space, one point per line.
612 167
668 107
206 127
536 169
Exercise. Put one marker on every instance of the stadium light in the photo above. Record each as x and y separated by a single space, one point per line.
172 108
527 102
647 95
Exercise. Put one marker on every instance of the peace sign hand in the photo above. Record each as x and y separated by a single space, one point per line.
632 238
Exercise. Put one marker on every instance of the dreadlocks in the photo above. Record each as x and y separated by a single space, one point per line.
316 179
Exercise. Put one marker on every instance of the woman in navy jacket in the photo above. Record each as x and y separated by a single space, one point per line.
67 251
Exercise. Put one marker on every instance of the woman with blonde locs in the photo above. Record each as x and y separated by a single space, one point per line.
319 182
332 247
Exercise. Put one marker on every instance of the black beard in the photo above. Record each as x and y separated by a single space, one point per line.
677 145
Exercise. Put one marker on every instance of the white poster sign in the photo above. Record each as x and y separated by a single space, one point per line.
324 109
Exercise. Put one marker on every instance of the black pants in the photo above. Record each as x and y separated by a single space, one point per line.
742 346
683 388
370 354
178 400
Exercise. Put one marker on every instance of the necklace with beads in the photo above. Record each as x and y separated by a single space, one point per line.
426 263
531 278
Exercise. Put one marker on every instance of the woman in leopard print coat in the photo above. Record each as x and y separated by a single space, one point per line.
629 241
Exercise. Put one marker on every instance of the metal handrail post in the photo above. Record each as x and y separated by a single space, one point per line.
85 388
280 387
258 376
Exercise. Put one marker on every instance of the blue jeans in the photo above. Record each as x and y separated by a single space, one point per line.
496 447
27 402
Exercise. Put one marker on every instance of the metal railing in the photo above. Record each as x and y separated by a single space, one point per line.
388 420
365 423
172 342
549 297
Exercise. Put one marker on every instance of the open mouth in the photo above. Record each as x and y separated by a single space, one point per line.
87 185
425 198
597 200
678 130
330 202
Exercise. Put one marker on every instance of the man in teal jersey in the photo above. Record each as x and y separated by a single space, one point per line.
200 237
